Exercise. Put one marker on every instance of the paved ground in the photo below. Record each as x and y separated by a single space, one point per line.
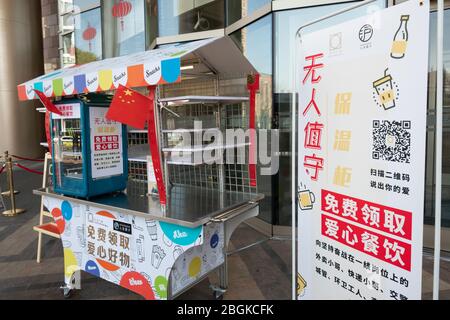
260 272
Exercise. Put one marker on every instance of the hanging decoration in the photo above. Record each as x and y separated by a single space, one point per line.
120 10
89 34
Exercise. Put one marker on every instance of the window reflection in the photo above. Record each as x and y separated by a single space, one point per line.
430 177
124 27
255 41
65 6
88 37
186 16
238 9
68 55
84 5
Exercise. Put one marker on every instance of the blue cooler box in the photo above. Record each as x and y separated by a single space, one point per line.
90 153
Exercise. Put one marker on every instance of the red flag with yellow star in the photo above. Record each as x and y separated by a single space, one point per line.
129 107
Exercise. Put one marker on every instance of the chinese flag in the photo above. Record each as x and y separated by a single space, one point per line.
129 107
48 104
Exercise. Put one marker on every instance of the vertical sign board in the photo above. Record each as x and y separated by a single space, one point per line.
106 144
361 156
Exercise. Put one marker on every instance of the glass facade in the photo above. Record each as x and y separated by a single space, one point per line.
124 27
84 5
186 16
255 41
238 9
88 36
94 29
67 28
430 167
81 32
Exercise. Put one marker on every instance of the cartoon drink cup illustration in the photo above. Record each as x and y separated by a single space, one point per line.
385 91
400 39
152 229
306 199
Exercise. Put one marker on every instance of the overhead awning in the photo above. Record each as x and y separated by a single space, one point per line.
158 66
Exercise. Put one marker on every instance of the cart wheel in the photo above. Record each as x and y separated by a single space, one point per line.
67 293
218 295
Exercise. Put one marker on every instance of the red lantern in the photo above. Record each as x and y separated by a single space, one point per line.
121 10
89 34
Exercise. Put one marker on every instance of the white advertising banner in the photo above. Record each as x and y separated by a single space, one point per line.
106 144
362 88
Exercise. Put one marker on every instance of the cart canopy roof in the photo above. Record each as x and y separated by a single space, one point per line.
159 66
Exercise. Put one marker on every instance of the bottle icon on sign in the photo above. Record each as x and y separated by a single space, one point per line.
400 39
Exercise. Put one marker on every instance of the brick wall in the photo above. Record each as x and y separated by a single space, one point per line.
49 9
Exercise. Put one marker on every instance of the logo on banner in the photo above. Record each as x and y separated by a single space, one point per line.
336 43
365 34
177 234
152 73
69 86
48 88
120 77
30 91
92 82
122 227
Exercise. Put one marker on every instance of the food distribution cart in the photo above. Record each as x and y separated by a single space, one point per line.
161 242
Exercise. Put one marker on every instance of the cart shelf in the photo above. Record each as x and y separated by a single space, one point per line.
185 100
188 130
204 147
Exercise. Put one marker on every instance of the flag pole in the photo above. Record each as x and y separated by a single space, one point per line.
154 147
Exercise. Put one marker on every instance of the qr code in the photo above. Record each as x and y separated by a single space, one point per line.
391 140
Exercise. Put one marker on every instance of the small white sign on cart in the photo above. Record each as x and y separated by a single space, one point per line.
106 144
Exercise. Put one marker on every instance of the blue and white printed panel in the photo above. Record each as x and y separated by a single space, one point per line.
127 250
199 261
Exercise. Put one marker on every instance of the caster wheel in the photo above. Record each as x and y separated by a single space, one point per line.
67 293
218 295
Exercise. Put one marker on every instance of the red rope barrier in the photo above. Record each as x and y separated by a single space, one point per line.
27 159
28 169
2 169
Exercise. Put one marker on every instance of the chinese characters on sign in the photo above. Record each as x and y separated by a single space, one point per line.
69 111
313 162
361 156
106 144
108 245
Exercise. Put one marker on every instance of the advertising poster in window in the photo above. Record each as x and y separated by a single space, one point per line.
362 89
106 144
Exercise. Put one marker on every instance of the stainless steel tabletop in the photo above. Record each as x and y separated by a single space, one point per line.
187 206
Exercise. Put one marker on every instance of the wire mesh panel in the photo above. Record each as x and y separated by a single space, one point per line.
204 176
137 164
137 174
237 176
178 122
205 86
137 137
